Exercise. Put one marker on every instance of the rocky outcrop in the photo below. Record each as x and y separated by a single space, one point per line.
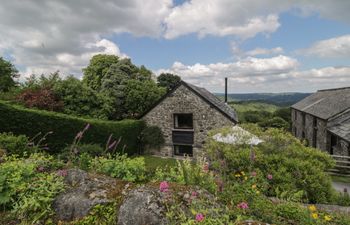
83 192
142 206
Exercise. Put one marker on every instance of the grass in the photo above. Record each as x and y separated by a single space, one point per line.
242 107
153 162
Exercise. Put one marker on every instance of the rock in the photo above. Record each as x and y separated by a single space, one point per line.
83 192
142 206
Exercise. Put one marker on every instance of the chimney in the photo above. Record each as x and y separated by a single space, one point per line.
225 89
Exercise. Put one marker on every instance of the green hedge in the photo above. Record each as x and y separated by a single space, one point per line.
20 120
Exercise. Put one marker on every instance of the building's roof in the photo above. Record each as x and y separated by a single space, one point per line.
210 98
341 127
325 104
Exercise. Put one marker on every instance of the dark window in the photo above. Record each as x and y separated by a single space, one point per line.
182 137
314 139
315 122
295 131
334 143
303 135
303 119
295 115
183 121
183 150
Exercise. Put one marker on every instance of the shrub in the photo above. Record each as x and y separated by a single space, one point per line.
42 98
120 166
15 144
30 122
292 166
28 187
152 137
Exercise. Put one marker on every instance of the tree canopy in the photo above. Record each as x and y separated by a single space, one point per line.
168 80
7 74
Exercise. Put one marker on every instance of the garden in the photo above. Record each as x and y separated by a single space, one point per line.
279 181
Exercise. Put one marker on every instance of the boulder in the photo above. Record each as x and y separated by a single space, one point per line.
142 206
83 192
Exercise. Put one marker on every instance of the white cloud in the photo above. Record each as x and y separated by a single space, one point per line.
44 36
265 51
331 48
276 74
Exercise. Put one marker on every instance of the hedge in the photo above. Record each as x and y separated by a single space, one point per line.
20 120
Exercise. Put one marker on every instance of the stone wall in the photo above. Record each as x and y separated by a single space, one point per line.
298 128
183 100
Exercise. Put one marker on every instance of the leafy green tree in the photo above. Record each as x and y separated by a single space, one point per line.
97 68
140 95
276 122
284 113
80 99
168 80
7 74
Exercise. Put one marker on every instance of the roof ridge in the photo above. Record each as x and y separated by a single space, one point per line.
333 89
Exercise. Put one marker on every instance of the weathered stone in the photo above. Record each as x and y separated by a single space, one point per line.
183 100
142 206
83 192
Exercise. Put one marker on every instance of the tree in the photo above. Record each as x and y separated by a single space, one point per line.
7 74
41 98
168 80
141 95
80 99
97 68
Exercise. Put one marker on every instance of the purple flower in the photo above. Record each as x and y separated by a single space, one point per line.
112 145
87 127
40 169
163 186
269 176
62 173
199 217
253 174
243 205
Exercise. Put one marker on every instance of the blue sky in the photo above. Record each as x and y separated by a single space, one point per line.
262 46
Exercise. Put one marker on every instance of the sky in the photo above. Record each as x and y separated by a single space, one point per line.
260 45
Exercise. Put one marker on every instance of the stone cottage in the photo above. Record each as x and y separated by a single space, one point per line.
185 115
323 120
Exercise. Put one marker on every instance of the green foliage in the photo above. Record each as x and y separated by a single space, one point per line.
284 113
141 95
293 166
276 122
27 187
293 212
120 166
19 120
97 68
100 215
81 100
188 173
152 137
168 80
12 144
7 74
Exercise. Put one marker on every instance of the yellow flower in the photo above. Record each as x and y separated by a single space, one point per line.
253 186
327 218
242 173
314 215
258 192
237 175
245 178
312 208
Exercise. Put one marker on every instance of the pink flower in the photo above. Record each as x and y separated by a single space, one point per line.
163 186
253 174
41 169
269 176
62 173
194 194
243 205
199 217
206 168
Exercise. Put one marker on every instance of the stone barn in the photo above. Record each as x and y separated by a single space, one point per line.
185 115
323 120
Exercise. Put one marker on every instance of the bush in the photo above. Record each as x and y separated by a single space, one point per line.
120 166
152 137
28 187
292 166
15 144
30 122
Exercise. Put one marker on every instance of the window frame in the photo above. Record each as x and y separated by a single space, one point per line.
184 154
175 117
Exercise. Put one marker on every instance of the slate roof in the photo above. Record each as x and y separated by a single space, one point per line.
326 103
341 127
215 101
210 98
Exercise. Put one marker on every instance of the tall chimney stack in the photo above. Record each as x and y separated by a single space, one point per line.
225 89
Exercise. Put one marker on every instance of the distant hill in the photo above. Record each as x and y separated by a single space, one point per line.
280 99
